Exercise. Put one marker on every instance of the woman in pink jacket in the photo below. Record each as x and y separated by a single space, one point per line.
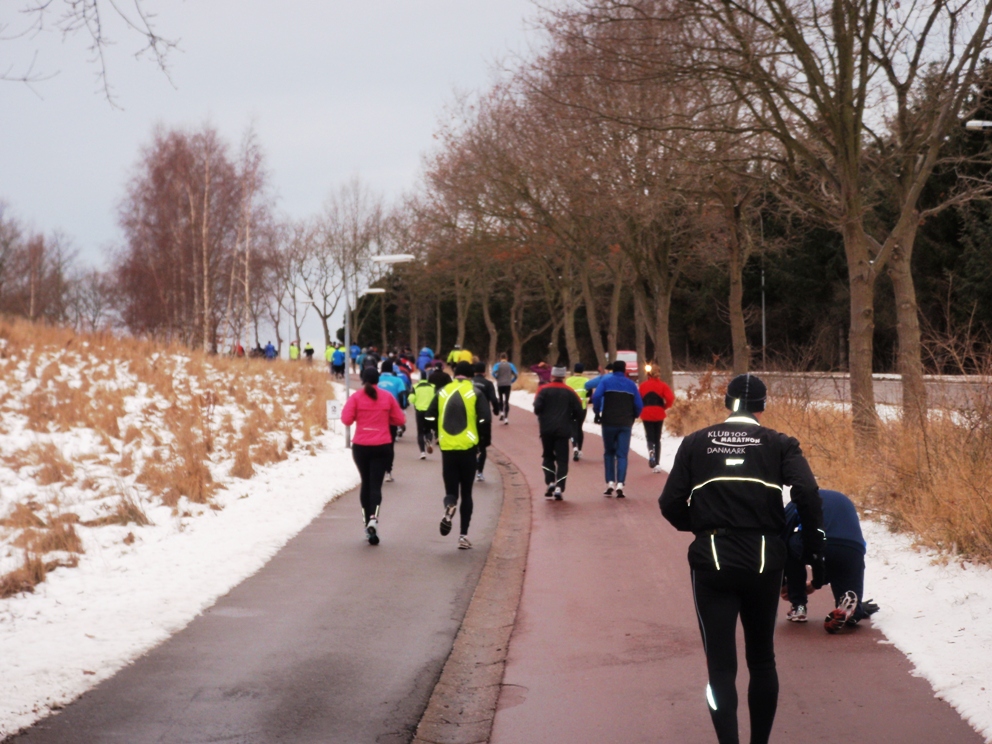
373 411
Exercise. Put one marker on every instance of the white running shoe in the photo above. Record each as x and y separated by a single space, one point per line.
389 477
797 614
846 606
506 421
463 543
610 485
372 531
657 469
577 455
558 494
620 491
480 477
423 455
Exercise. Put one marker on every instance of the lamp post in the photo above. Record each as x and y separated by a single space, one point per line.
392 258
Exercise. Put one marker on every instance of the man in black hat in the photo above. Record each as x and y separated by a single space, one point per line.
727 486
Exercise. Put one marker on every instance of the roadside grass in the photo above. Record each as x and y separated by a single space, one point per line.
932 480
100 431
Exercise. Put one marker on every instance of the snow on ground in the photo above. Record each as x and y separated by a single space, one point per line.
933 610
82 625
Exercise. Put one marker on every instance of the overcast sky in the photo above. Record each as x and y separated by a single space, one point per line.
334 87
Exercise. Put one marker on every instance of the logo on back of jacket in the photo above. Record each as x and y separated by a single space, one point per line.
730 442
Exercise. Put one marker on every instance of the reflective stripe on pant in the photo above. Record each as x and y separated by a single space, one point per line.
616 445
720 597
555 460
458 468
372 462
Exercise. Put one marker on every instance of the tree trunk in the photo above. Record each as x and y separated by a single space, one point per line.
382 322
640 335
414 324
738 330
205 241
571 341
553 349
592 317
662 333
437 320
516 313
611 335
910 362
491 328
861 277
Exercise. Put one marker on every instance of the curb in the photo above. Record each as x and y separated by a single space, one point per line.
463 704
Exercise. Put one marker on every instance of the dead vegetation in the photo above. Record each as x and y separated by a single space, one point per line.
167 422
931 479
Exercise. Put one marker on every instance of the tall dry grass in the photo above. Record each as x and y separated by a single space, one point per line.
170 422
931 479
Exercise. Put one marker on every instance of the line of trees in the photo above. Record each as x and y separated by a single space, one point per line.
654 139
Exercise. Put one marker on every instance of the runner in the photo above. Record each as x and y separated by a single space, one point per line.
726 486
616 404
397 388
658 397
374 414
486 391
578 383
558 408
423 394
457 411
505 375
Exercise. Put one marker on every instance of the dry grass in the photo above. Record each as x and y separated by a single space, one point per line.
933 481
31 573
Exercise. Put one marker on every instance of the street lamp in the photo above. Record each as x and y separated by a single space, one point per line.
391 258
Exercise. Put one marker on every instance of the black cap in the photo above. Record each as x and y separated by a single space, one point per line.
479 368
463 369
370 375
387 365
579 368
746 393
619 366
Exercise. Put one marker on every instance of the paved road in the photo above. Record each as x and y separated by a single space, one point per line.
333 641
606 647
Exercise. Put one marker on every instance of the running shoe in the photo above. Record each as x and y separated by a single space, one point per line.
463 543
797 614
576 455
423 455
372 531
609 488
620 490
449 514
506 421
389 477
558 494
480 477
846 606
657 469
549 493
430 448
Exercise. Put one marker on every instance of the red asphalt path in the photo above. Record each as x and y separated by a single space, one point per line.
606 647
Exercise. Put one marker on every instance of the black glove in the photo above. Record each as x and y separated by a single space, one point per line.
597 419
818 563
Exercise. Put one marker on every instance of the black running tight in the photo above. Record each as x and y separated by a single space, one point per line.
373 461
458 469
503 394
720 597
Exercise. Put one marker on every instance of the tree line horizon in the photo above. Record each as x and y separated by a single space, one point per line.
632 184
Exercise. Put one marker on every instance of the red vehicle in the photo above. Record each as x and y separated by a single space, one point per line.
630 359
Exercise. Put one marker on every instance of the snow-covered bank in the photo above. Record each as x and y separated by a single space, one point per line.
933 610
81 625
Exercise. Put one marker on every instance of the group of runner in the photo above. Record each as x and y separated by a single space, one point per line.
726 486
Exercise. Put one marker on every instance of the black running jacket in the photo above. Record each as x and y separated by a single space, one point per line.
727 486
